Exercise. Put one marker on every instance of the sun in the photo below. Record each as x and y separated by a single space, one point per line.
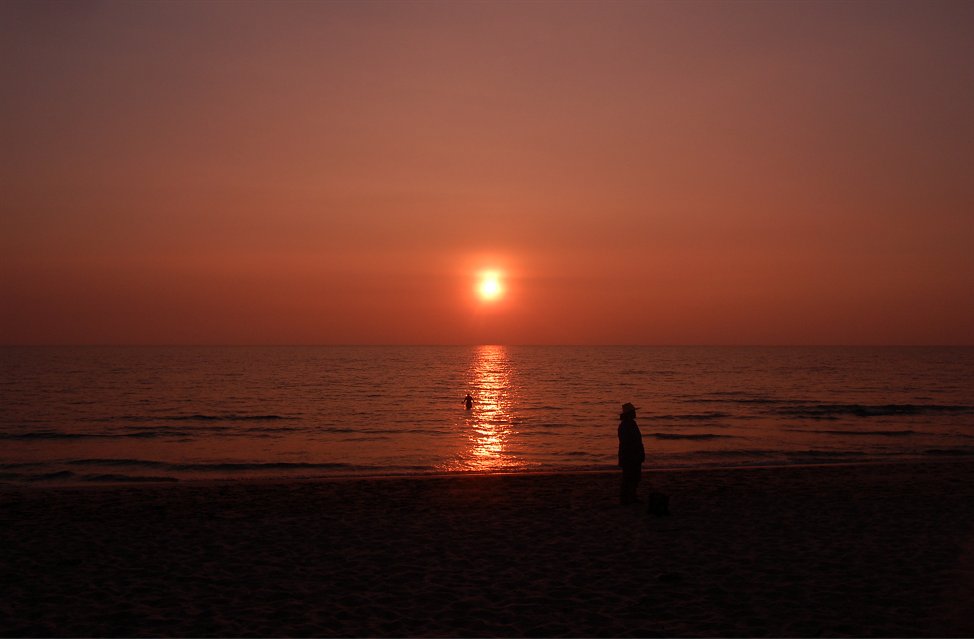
490 287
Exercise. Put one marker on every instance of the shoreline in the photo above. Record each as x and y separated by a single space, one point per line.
875 549
155 482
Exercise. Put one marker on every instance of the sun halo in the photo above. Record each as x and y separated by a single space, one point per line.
490 287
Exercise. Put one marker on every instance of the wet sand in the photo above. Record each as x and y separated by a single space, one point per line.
859 550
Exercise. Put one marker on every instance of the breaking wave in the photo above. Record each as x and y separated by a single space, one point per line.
834 411
693 436
883 433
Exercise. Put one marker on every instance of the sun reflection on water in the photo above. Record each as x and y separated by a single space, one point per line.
489 427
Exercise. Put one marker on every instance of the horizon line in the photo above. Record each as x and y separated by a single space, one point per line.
467 345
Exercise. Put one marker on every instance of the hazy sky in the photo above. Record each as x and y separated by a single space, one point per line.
651 173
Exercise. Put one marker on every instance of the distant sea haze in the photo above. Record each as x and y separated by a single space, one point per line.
87 414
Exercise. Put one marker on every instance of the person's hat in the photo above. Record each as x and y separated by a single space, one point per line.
628 408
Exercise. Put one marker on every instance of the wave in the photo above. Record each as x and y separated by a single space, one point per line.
54 434
820 455
45 434
223 418
143 470
748 400
106 470
151 433
818 410
823 453
763 455
226 431
949 451
60 475
388 431
692 416
746 452
69 476
218 466
344 430
694 436
885 433
229 430
833 411
244 466
126 478
116 462
196 417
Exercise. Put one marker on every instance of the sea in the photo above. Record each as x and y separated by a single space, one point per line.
80 415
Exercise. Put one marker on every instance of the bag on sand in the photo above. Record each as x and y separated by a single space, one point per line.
658 504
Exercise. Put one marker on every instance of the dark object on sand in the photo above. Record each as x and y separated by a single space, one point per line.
658 504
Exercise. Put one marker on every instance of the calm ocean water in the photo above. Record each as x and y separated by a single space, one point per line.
164 414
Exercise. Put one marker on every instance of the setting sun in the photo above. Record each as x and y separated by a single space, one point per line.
490 287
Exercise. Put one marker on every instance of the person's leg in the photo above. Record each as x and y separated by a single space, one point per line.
637 472
630 480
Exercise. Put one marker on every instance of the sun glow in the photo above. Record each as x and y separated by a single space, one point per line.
490 287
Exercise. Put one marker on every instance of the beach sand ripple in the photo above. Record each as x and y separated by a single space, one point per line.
867 550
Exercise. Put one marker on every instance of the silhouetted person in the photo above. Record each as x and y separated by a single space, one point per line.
631 453
468 401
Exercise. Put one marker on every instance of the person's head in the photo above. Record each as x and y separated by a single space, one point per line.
628 411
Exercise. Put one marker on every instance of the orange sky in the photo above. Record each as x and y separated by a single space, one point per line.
334 173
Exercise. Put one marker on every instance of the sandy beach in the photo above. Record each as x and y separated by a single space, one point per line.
858 550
